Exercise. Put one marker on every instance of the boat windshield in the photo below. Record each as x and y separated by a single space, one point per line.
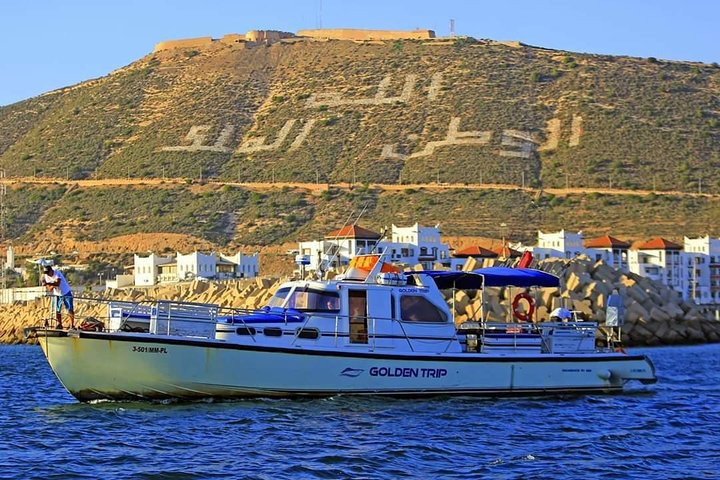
278 299
314 300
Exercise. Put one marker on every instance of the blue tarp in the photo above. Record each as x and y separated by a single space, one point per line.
266 315
492 277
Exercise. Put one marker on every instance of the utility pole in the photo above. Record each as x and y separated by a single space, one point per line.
503 227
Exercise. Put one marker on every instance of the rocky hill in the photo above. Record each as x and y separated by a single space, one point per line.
426 111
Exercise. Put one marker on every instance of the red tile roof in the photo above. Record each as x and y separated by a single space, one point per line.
505 252
606 242
475 251
659 244
353 231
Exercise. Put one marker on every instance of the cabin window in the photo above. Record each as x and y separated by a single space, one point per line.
311 333
278 299
245 331
272 331
415 308
314 300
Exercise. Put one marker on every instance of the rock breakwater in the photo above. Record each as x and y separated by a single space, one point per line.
654 313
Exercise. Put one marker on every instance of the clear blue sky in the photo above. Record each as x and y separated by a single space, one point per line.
47 44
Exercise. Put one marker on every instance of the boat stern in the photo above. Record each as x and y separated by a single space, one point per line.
634 367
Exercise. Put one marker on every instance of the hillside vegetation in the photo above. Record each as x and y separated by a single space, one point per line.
232 216
394 112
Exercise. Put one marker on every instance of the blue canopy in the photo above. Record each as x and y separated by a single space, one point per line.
491 277
517 277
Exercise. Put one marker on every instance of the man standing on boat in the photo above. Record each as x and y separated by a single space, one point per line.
55 281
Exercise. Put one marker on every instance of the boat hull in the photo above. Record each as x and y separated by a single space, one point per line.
139 366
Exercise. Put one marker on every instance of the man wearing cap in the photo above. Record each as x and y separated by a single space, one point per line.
55 282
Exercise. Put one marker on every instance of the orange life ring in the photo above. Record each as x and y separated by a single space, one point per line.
523 316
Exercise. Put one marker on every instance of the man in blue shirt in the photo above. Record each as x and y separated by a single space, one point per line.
55 282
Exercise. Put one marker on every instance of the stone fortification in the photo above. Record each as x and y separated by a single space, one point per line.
654 314
253 36
268 37
199 42
356 34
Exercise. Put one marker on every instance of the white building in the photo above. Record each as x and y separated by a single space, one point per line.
660 260
194 265
338 247
238 265
611 250
147 269
416 244
408 246
560 244
701 270
154 269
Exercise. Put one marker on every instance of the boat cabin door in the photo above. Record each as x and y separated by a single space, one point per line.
358 316
370 311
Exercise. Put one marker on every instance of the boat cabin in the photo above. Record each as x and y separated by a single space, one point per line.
372 307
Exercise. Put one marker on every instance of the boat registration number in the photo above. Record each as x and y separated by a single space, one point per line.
144 349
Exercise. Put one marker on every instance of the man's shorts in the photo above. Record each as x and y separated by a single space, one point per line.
66 300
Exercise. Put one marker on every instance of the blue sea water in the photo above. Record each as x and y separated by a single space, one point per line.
663 431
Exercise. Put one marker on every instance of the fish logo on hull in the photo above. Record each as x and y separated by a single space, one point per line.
351 372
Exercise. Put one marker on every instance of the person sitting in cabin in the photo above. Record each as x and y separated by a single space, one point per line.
56 284
332 304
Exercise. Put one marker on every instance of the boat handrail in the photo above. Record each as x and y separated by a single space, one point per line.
163 309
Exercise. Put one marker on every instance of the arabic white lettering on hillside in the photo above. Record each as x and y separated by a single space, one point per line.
453 137
198 134
335 99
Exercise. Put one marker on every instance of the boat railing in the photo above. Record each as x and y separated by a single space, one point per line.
160 317
546 337
191 319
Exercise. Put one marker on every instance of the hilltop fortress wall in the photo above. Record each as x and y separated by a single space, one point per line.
253 36
355 34
272 36
184 43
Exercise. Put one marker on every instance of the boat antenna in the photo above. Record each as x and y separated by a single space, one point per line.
337 237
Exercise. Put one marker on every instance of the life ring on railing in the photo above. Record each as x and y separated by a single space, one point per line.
527 315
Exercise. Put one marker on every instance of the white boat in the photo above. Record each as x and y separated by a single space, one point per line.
373 332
